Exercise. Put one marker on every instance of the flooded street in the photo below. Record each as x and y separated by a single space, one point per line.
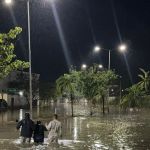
127 131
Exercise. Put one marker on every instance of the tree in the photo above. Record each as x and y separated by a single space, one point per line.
133 97
47 91
96 83
137 92
92 84
70 84
8 61
145 80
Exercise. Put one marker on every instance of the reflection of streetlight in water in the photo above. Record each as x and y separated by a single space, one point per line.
4 117
55 110
75 130
20 114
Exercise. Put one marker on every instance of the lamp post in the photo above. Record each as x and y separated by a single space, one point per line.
8 2
30 60
122 48
109 60
120 89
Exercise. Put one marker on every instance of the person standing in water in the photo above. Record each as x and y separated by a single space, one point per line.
54 127
38 135
27 128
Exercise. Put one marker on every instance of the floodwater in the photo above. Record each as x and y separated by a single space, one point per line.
126 131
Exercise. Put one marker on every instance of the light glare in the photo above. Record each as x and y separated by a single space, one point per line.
84 66
100 66
8 1
21 93
122 48
97 48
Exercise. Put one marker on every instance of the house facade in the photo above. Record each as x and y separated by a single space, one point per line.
14 89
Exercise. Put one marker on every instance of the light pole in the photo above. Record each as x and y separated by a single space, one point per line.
109 60
8 2
98 48
122 48
30 60
120 89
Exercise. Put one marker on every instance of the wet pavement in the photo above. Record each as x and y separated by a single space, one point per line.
126 131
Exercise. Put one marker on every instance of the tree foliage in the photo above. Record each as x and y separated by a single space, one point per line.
137 92
8 61
91 84
47 91
133 97
145 80
70 83
97 82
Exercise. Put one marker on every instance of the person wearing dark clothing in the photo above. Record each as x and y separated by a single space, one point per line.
39 132
27 127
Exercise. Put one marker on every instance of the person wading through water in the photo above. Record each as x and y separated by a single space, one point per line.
27 128
54 127
38 135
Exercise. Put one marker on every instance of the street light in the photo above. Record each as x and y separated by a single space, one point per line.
8 2
21 93
97 48
84 66
100 66
122 48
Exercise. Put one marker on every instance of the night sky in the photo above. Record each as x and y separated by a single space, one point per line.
82 23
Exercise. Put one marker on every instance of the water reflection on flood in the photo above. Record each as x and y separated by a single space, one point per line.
113 131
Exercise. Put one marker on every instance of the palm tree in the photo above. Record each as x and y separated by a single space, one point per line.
145 79
71 84
134 96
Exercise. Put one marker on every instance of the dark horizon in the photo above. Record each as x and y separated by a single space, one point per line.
76 28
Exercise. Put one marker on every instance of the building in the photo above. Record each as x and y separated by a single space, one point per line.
14 89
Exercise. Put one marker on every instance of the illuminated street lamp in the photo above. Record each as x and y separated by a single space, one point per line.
122 48
100 66
8 2
21 93
84 66
97 48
